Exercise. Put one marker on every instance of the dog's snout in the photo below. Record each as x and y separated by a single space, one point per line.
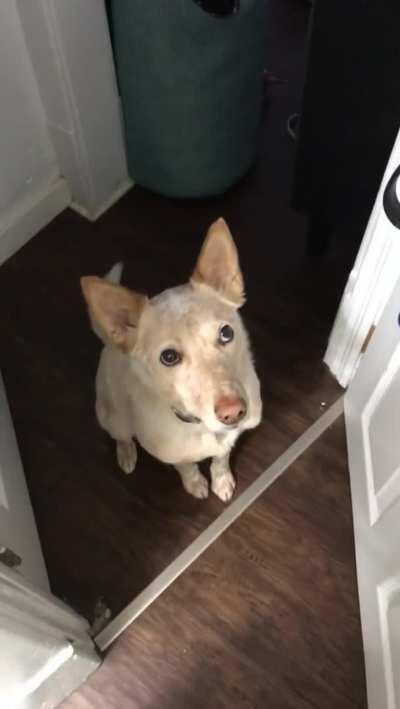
230 409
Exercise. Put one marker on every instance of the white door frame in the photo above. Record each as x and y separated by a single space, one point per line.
369 286
18 532
30 616
69 45
24 609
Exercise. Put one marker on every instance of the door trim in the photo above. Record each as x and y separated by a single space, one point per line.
23 604
369 286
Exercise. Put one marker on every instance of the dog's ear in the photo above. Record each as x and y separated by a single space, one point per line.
113 309
218 264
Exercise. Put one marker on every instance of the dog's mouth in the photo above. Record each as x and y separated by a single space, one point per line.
185 417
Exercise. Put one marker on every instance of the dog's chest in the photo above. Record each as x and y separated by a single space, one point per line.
228 439
177 442
197 445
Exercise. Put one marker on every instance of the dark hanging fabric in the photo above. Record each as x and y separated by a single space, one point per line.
350 113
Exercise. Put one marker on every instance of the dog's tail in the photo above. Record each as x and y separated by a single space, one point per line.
113 276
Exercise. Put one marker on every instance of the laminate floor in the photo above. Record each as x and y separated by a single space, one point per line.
267 617
104 534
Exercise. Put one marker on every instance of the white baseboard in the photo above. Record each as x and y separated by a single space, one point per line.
26 220
115 196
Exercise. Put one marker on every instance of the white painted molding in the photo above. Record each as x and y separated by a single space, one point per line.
37 601
70 50
369 287
102 208
24 220
30 615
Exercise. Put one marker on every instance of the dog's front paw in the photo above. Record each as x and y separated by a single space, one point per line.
223 486
127 456
197 486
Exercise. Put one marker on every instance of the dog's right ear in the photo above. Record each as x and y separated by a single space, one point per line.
115 309
218 265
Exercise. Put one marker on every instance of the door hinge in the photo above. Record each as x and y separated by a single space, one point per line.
9 558
368 338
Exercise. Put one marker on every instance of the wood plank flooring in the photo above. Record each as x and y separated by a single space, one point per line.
105 534
267 617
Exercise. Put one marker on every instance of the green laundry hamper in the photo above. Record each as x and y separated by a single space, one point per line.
190 74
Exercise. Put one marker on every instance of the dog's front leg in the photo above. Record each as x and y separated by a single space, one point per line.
222 481
193 481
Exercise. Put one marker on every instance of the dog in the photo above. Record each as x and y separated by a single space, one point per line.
176 372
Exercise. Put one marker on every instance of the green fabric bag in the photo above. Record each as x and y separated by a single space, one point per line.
191 87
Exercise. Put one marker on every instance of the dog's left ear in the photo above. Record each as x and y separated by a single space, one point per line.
218 265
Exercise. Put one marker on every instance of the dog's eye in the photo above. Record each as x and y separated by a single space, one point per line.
225 335
170 357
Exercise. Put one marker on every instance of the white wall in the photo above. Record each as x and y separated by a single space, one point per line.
69 45
61 132
27 159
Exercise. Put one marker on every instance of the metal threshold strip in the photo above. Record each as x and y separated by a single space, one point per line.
216 528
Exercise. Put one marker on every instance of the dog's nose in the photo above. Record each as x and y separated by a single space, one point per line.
230 409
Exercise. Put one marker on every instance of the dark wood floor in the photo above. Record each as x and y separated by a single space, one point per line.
104 534
268 617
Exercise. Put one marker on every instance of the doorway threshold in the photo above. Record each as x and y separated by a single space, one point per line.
154 589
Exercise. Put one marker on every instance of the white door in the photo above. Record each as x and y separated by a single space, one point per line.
372 411
45 647
19 539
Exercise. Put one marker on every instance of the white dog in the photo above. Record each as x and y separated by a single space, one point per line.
176 372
